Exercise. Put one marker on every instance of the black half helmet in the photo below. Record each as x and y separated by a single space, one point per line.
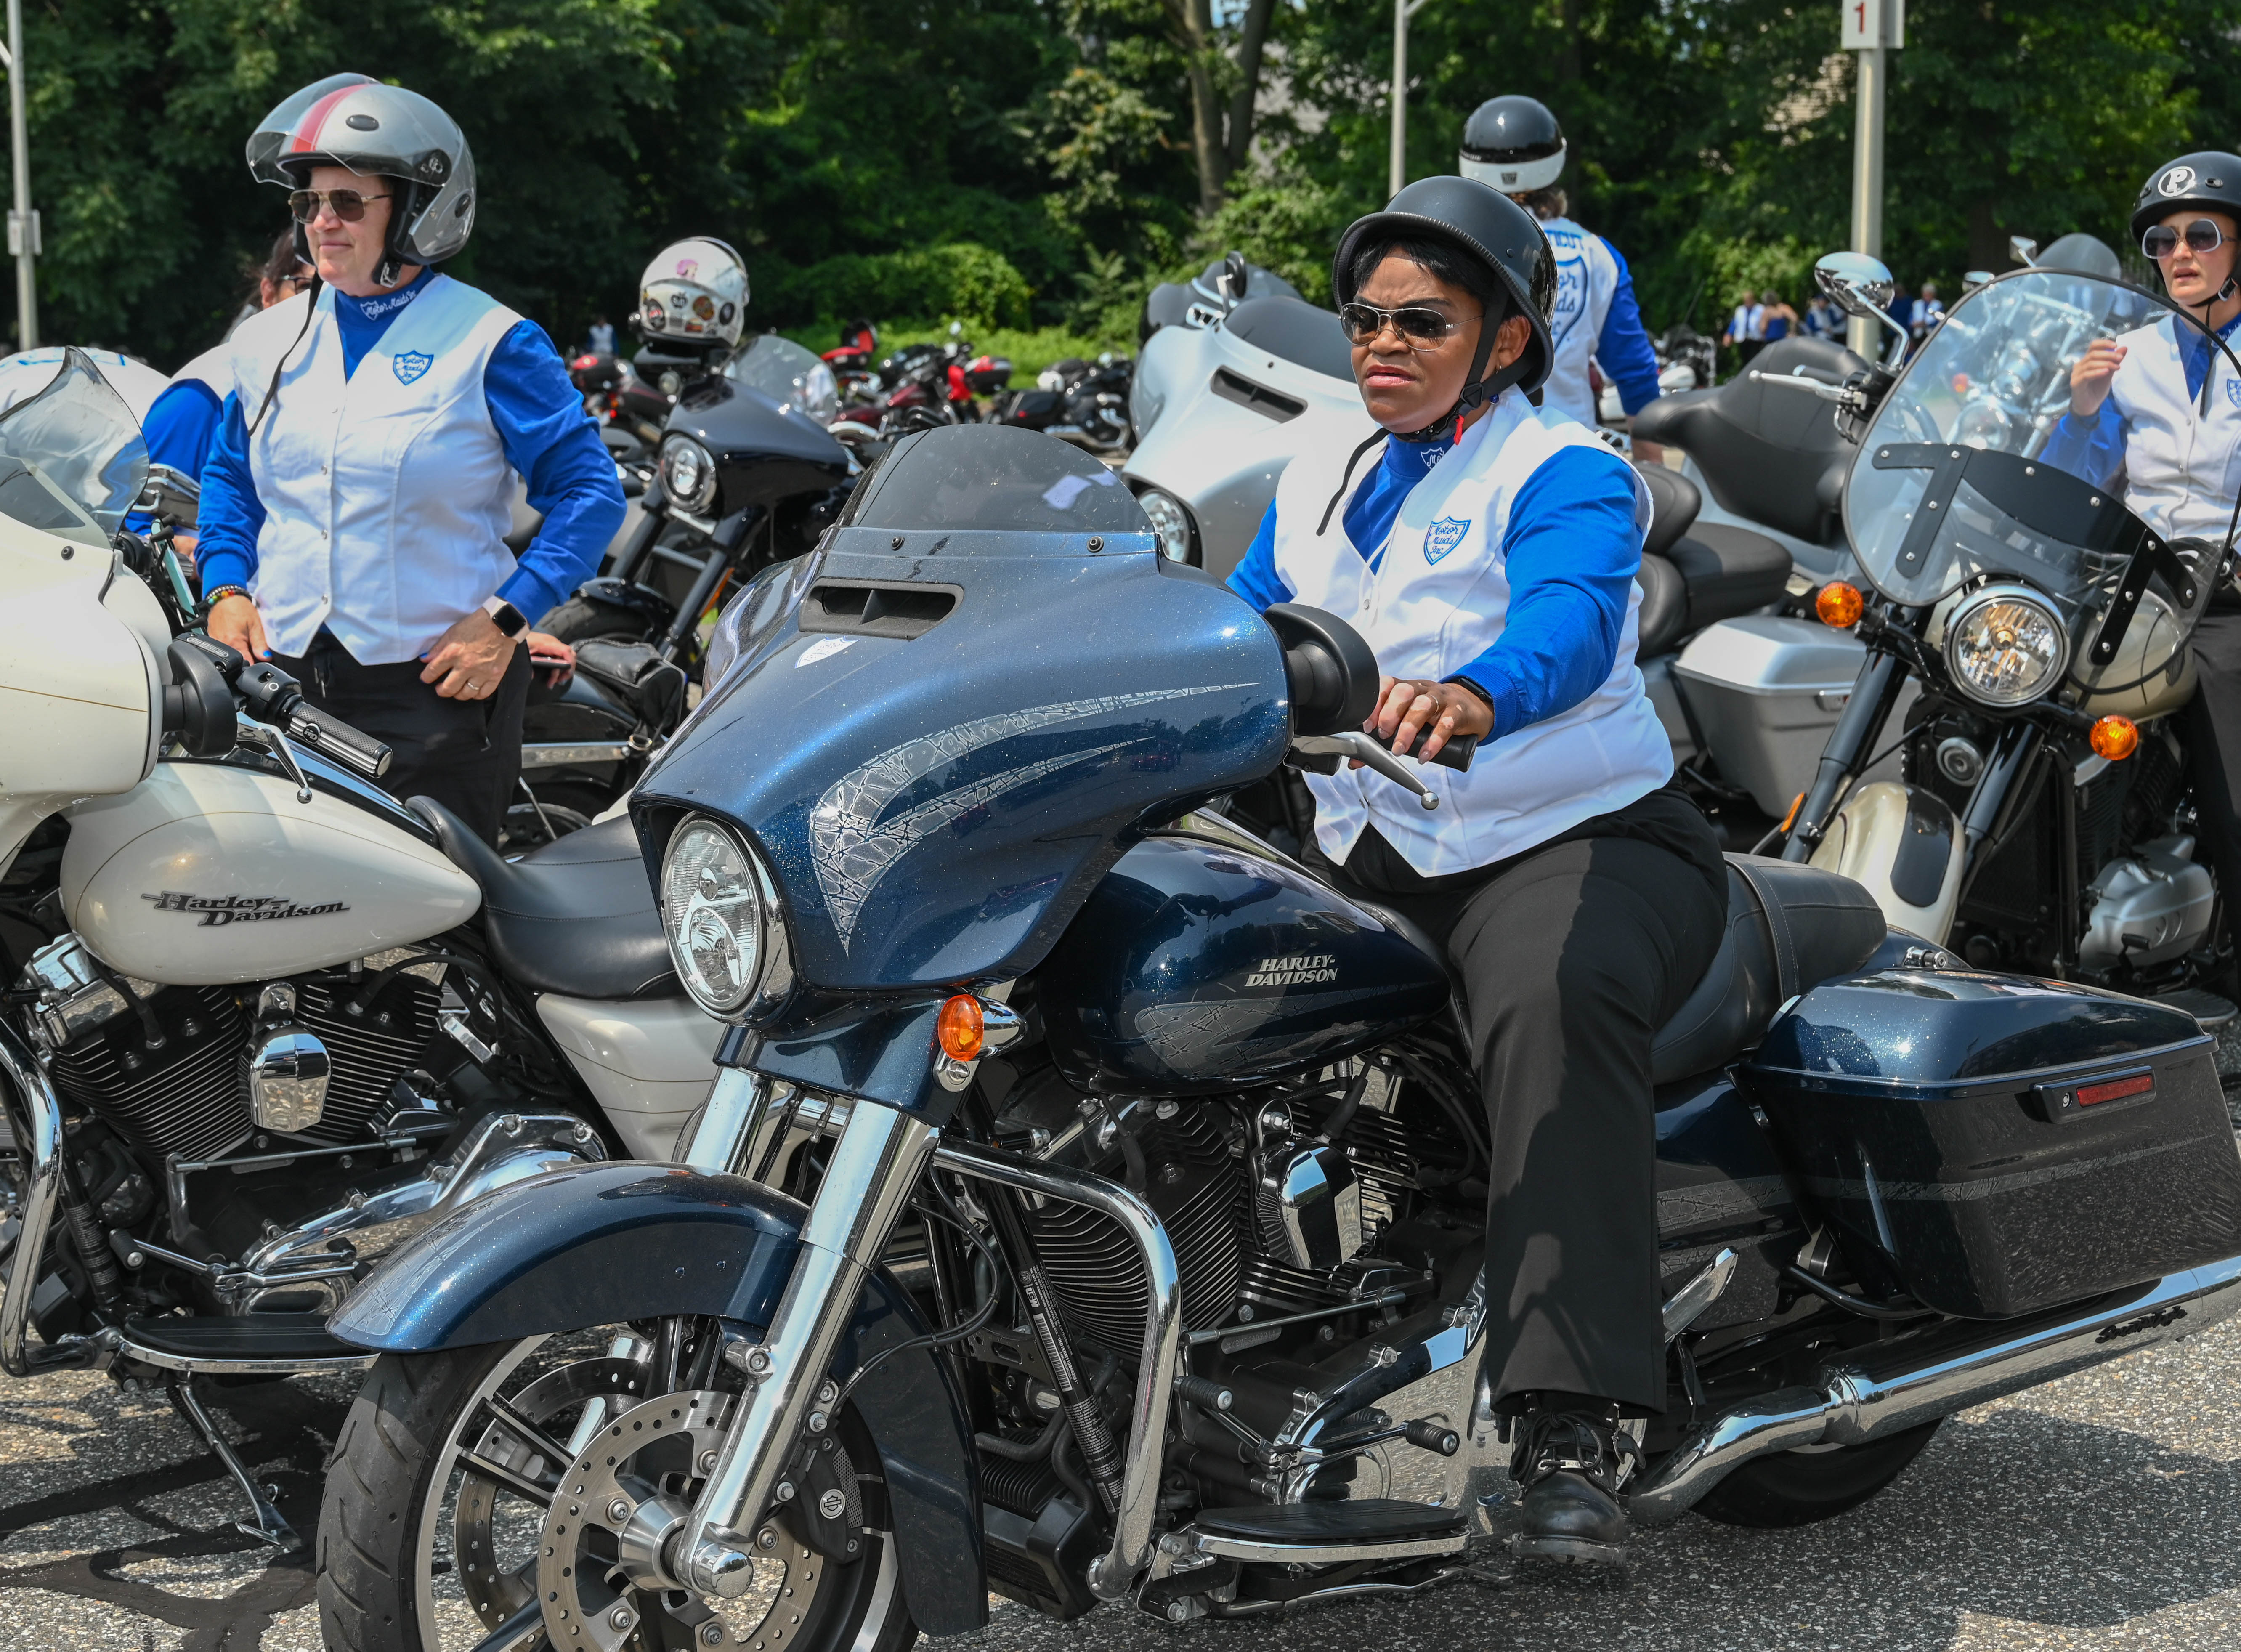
1499 233
1513 143
2211 177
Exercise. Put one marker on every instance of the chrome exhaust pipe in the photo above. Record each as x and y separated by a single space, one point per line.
1899 1385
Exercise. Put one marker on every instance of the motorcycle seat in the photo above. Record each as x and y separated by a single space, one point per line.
1789 927
1663 619
1729 571
1675 500
575 916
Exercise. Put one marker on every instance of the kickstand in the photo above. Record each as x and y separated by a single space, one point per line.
269 1527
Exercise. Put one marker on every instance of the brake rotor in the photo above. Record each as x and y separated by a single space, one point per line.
620 1504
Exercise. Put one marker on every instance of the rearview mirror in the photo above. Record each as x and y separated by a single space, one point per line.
2023 250
1972 280
1859 285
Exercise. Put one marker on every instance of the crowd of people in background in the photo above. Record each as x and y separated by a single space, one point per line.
1768 317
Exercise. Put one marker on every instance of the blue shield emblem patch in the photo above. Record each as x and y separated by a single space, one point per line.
1442 537
2233 392
410 363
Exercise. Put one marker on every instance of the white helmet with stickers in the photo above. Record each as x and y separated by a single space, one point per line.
694 293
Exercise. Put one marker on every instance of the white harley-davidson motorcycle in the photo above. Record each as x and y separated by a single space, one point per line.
262 1022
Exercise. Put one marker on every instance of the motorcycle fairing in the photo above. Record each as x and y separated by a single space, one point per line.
764 451
569 1250
936 807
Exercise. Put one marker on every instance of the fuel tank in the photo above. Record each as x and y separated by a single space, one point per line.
209 874
1205 960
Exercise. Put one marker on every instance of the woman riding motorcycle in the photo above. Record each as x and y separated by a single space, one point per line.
1488 557
2157 413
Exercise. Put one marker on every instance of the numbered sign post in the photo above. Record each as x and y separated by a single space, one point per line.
1873 28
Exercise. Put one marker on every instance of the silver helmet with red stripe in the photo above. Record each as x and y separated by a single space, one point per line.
386 131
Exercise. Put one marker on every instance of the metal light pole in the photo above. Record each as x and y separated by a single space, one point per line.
22 222
1872 30
1402 11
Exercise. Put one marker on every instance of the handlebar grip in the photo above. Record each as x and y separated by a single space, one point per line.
331 738
1455 754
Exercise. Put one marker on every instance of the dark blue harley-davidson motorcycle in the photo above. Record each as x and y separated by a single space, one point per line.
1091 1204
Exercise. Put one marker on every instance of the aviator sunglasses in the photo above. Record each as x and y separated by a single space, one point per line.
1418 329
2202 236
348 204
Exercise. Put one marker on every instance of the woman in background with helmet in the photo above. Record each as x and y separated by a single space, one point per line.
2157 413
1487 556
1514 144
358 494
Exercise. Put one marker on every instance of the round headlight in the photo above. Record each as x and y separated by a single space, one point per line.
688 473
2005 646
1171 521
712 909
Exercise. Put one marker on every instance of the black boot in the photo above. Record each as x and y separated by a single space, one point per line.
1566 1464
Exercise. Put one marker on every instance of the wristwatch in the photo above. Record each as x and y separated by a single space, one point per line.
508 619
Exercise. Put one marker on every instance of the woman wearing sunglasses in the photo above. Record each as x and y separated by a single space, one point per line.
2157 413
1485 548
360 486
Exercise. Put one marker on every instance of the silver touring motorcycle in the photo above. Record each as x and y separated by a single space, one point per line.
1090 1207
261 1021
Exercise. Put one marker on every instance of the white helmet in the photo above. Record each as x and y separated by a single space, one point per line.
693 293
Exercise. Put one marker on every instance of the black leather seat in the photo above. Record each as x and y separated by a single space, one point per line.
1664 617
1673 501
1729 571
575 916
1790 927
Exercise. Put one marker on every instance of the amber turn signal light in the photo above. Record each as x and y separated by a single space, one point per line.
1839 605
2115 738
961 1030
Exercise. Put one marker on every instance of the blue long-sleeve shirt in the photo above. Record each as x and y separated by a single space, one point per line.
2093 449
1623 350
1570 552
541 424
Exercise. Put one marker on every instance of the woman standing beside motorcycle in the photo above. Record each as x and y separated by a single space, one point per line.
1489 557
2157 412
357 496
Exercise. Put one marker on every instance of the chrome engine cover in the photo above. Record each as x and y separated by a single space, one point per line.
2149 906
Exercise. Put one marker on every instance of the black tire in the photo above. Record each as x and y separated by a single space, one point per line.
379 1571
583 618
1798 1487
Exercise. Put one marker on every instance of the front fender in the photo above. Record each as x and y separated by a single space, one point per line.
608 1242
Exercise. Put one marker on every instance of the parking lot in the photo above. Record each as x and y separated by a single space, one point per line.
2098 1512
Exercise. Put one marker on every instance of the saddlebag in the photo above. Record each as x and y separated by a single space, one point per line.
1990 1145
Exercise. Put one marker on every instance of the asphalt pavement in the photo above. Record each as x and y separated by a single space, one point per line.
2098 1512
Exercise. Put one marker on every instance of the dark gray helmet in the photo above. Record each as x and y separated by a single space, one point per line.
2209 178
354 121
1490 227
1513 143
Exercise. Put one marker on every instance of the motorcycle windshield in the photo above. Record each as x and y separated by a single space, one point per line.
789 374
1975 468
72 459
943 725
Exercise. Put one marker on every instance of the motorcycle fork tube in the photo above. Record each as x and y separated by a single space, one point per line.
723 545
2012 757
1098 1449
37 1128
868 1180
640 543
2066 932
1875 691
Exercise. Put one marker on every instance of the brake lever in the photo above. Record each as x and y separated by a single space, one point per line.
1355 744
273 740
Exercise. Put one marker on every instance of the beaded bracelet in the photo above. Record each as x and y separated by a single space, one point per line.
217 594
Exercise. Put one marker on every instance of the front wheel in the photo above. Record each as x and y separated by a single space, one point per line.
1798 1487
445 1517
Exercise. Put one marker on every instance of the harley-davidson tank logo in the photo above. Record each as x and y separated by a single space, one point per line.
1302 969
218 911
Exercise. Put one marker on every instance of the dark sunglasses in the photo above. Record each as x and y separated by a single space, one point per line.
348 204
2202 236
1418 329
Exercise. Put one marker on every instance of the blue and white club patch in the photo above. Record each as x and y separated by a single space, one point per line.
410 363
2233 392
1444 536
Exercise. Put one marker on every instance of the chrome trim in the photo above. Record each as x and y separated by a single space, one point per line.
1246 1548
1910 1380
872 1169
123 1346
714 1137
1112 1573
38 1134
556 754
1688 1304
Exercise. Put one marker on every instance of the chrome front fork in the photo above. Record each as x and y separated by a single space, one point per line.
873 1167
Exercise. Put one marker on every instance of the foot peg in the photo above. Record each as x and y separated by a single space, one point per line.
270 1527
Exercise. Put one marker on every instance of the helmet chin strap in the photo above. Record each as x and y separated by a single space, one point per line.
2231 286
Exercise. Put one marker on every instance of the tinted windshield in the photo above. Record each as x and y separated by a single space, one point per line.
72 459
1974 467
788 373
994 478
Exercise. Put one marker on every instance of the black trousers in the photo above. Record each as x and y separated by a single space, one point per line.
467 754
1572 955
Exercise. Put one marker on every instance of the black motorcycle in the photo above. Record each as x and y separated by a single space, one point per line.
1078 401
745 476
1091 1205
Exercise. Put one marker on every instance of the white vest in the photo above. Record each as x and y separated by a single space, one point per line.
1587 281
1437 600
2180 466
213 370
387 495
